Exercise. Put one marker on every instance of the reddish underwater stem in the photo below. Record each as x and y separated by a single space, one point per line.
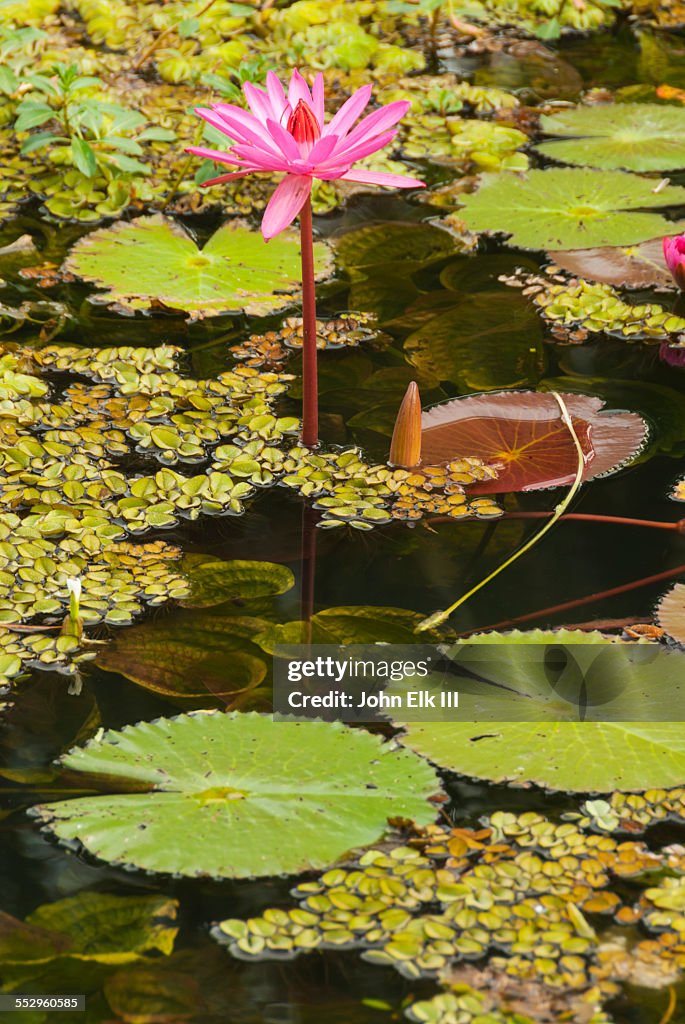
600 595
310 387
585 517
589 517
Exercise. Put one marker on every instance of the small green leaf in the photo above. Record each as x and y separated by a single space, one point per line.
188 27
84 158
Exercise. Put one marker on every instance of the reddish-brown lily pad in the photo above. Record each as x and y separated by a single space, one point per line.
523 435
633 266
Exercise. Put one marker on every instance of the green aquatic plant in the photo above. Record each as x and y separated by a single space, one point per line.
233 807
546 19
569 208
87 934
520 889
542 732
575 308
620 136
95 135
232 272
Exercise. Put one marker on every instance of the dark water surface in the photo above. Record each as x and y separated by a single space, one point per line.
419 569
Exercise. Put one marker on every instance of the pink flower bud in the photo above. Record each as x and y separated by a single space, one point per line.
674 254
302 124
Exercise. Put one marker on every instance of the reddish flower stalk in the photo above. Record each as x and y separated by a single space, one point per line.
310 384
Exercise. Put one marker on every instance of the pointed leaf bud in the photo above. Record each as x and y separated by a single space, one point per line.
302 124
405 447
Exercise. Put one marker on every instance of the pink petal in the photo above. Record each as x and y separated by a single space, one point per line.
276 95
349 112
217 121
322 149
213 154
246 125
267 162
225 177
299 90
285 204
284 140
358 152
379 121
236 133
258 101
383 178
318 99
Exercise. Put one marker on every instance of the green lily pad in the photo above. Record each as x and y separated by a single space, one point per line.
485 341
212 582
91 926
568 208
617 136
405 245
191 656
525 725
350 624
153 262
237 796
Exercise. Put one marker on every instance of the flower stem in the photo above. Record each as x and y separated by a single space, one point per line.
439 617
310 387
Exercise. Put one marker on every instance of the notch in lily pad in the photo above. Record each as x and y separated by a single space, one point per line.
153 263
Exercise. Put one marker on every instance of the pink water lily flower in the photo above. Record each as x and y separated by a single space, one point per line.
674 254
289 134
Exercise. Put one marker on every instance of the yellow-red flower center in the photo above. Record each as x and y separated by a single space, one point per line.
302 124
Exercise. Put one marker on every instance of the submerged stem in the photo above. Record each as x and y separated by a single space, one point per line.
598 595
439 617
310 387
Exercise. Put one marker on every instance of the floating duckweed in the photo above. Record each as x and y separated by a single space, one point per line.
678 490
487 997
348 330
536 15
16 385
522 886
68 501
20 652
116 581
576 308
634 812
118 364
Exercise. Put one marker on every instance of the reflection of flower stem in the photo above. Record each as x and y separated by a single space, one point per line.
439 617
308 571
310 388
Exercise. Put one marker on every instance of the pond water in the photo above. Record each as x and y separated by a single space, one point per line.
415 568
